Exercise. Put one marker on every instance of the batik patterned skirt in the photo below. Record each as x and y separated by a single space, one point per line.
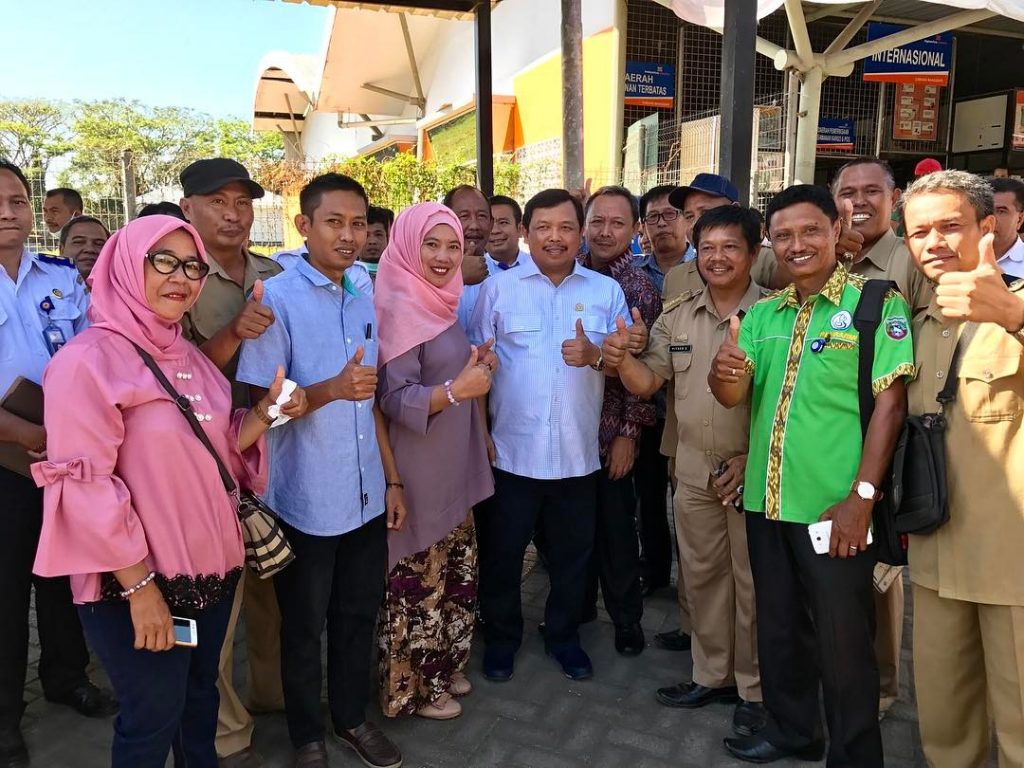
426 622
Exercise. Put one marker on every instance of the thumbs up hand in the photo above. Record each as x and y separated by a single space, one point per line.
851 242
579 351
474 380
355 381
980 295
729 365
297 404
637 333
254 318
616 345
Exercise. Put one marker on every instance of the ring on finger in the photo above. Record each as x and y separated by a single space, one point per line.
739 489
853 548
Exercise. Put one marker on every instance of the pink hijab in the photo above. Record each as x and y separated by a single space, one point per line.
410 310
118 286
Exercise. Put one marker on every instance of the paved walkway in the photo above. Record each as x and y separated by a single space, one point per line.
537 720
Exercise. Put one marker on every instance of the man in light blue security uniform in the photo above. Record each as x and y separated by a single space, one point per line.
42 305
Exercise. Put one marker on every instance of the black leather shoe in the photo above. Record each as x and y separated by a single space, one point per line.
311 756
629 639
757 749
749 718
674 640
574 662
245 758
371 745
499 664
13 752
90 701
693 695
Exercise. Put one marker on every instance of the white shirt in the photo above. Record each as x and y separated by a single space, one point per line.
544 413
470 293
1012 262
357 273
23 349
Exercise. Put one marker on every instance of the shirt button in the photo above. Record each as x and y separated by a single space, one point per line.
939 374
707 453
334 287
348 341
986 374
360 437
708 389
945 333
706 422
359 405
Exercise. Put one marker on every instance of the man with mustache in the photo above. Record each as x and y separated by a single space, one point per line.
60 206
474 212
218 195
81 240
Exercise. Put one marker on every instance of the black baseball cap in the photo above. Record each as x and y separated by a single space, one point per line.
709 184
204 177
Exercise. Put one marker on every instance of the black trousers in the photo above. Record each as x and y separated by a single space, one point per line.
616 559
338 580
63 655
815 625
652 482
563 510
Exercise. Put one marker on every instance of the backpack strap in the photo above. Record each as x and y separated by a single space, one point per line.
866 319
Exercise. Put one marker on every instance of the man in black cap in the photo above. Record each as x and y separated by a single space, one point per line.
218 197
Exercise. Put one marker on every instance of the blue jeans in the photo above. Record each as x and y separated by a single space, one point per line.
169 700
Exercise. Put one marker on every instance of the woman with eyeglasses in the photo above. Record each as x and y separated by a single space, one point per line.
134 507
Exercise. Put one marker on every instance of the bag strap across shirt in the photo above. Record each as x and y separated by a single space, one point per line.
186 410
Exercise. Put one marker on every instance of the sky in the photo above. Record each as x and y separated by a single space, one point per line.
202 54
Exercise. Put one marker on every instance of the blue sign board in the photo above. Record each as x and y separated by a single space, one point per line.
835 135
650 85
926 62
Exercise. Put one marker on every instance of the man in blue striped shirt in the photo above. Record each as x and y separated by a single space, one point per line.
548 318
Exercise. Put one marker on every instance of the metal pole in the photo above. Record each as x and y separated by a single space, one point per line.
792 98
880 127
736 97
572 94
128 185
807 128
484 99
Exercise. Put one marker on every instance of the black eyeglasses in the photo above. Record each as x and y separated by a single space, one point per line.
166 264
666 216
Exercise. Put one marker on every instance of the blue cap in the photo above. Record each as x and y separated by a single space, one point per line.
709 184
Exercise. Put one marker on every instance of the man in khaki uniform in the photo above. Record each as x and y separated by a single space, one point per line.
710 462
968 576
865 193
218 195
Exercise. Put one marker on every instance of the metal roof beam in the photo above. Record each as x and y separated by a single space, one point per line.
853 27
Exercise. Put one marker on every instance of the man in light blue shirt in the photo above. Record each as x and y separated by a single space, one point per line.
327 474
548 318
358 274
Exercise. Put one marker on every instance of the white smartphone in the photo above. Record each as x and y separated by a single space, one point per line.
821 535
185 632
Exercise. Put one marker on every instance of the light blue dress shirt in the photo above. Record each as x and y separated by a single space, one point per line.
326 476
23 349
358 273
544 413
470 293
649 264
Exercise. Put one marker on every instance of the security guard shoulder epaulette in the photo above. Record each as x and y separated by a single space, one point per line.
670 305
60 261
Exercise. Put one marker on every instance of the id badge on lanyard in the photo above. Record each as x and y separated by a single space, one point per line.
52 335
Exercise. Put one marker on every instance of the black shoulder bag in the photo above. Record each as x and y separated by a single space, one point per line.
266 549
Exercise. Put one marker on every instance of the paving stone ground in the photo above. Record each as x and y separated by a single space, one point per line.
537 720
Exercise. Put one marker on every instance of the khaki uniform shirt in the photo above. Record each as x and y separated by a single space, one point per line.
221 299
684 341
684 278
976 556
889 259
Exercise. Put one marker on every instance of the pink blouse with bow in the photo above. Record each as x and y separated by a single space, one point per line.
125 479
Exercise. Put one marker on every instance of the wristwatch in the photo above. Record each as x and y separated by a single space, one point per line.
599 365
866 490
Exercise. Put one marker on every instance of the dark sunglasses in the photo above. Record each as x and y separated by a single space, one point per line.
166 264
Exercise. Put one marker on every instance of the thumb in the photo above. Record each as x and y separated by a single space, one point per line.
987 251
357 357
257 292
734 329
484 348
620 324
278 377
847 208
579 329
636 316
474 355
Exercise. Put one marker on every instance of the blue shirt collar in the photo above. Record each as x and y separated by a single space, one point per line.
319 279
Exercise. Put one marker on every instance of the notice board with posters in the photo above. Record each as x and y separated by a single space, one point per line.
915 115
650 85
1018 119
925 62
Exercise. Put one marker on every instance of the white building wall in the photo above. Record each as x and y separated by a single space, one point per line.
321 137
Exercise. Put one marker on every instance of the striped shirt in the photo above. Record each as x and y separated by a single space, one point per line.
544 413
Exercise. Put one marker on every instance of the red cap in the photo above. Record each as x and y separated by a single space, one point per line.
926 166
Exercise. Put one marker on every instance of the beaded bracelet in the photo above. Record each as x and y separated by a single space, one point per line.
132 590
448 392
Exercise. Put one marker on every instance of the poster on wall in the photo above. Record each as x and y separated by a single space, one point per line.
835 135
915 114
925 62
650 85
1018 119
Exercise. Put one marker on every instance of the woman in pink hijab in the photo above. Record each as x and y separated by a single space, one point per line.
134 508
430 377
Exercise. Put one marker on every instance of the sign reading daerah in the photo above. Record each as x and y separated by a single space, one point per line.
650 85
835 135
925 62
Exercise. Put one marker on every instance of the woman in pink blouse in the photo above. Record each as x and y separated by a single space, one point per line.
134 508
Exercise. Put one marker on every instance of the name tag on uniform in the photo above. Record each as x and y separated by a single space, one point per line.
680 348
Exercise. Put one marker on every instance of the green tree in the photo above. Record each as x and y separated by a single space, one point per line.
33 132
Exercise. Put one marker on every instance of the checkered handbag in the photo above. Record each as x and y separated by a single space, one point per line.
266 549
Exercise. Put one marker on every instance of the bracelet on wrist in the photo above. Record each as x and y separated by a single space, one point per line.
133 589
448 393
261 413
394 485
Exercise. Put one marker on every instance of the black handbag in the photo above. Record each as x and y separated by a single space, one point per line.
267 550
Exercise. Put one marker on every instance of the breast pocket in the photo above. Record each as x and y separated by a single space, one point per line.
681 362
991 389
6 347
521 331
65 316
595 328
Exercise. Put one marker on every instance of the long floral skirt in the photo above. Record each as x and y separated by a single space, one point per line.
426 622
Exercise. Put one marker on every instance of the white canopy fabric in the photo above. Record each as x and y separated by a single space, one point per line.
711 13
